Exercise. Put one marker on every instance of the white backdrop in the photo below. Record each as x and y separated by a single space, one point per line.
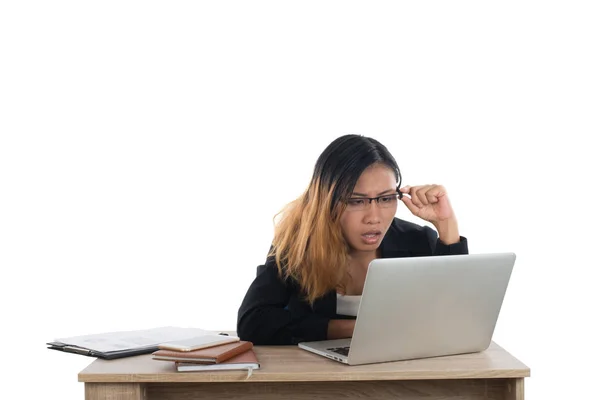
146 146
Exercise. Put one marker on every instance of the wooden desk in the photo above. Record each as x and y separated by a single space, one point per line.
291 373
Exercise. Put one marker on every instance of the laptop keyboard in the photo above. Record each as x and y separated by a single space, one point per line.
340 350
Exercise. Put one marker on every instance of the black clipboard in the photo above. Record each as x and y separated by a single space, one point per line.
107 355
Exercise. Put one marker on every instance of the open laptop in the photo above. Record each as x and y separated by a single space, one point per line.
419 307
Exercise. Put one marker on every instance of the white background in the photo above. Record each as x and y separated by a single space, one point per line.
146 146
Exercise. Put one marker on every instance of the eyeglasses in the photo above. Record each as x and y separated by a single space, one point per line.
361 203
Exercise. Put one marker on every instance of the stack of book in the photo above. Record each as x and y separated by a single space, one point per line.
238 355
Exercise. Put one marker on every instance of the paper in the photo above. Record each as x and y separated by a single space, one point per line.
126 340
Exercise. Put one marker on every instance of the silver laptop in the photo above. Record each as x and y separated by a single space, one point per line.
419 307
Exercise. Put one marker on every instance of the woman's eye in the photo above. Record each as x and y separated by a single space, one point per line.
356 202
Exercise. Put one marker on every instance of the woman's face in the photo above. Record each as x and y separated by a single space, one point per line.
364 227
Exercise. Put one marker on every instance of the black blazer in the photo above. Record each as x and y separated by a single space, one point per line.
274 313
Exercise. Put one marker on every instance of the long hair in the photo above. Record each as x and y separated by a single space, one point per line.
308 244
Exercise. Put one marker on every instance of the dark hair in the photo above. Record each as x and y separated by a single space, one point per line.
309 245
345 159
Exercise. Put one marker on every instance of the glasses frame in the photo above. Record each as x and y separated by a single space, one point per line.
377 199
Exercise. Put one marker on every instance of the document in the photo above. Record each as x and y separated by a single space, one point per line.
124 343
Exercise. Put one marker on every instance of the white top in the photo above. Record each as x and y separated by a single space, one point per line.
347 305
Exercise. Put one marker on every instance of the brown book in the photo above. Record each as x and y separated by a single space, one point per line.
210 355
246 360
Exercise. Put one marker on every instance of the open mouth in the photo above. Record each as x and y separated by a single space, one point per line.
371 237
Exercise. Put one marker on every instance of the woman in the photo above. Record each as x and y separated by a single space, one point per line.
310 285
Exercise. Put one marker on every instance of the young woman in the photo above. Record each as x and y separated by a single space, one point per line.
310 285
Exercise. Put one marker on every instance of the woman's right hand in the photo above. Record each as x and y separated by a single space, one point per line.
340 328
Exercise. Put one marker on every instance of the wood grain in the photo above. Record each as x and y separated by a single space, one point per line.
114 391
292 364
464 389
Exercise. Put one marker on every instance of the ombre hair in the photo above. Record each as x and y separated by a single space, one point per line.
308 245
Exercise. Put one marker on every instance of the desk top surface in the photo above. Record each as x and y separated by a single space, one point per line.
292 364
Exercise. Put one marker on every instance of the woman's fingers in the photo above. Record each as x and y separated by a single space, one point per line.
410 205
423 195
420 193
434 193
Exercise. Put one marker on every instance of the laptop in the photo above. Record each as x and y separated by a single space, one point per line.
421 307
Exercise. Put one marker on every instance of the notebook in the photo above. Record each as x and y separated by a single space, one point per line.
244 361
197 343
210 355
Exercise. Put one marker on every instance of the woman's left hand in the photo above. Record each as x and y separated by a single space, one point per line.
429 202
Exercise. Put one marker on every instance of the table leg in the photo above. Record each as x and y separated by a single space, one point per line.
515 389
